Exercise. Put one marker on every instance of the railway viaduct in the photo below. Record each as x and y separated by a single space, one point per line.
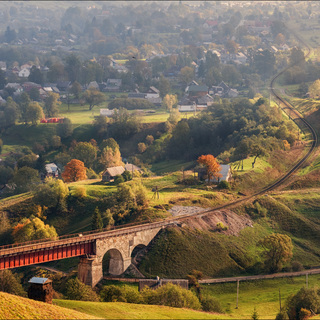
90 247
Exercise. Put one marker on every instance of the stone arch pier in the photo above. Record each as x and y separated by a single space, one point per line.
120 248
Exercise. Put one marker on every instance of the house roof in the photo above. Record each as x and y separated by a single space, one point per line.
39 280
51 167
194 88
114 171
131 167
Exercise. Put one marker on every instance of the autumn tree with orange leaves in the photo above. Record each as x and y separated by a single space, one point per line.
74 171
212 166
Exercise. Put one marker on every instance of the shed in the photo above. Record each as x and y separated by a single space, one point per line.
111 172
40 289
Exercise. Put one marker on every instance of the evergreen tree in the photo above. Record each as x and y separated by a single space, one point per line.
97 223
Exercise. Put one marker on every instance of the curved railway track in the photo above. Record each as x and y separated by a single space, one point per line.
176 220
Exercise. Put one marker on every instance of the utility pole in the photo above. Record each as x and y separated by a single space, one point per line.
280 299
237 294
307 280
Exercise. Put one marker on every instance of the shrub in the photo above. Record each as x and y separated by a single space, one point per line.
80 192
210 304
304 299
118 179
127 176
304 314
297 266
224 185
172 296
221 227
91 174
76 290
112 294
282 315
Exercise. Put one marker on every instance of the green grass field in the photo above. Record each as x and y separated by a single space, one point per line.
120 310
260 165
260 294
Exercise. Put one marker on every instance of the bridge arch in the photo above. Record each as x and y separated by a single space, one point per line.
113 261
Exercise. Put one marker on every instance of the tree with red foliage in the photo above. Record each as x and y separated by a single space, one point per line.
212 166
74 171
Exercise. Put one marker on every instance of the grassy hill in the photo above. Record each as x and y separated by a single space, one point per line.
120 310
14 307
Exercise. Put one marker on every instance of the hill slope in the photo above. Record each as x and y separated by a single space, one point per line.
15 307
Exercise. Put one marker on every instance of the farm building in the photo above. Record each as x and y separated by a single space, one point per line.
40 289
111 173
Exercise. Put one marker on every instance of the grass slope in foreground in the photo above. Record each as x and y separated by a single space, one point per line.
120 310
14 307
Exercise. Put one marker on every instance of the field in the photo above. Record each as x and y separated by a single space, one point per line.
120 310
260 294
14 307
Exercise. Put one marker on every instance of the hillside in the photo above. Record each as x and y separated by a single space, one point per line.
120 310
14 307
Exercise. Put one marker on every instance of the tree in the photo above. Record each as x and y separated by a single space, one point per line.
73 67
65 128
9 283
212 166
51 104
26 179
164 86
257 151
34 113
76 89
110 158
76 290
232 46
97 223
35 75
23 102
314 89
277 250
51 194
169 101
186 75
11 113
85 152
307 299
35 229
93 97
34 94
142 147
74 171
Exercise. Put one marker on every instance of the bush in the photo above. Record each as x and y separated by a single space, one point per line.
221 227
304 314
224 185
91 174
114 293
297 266
118 179
172 296
304 299
80 192
210 304
76 290
282 315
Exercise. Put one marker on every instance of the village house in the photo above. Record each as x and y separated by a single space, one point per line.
112 85
225 173
24 73
110 173
52 170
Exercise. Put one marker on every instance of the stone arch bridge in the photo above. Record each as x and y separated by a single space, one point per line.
90 247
